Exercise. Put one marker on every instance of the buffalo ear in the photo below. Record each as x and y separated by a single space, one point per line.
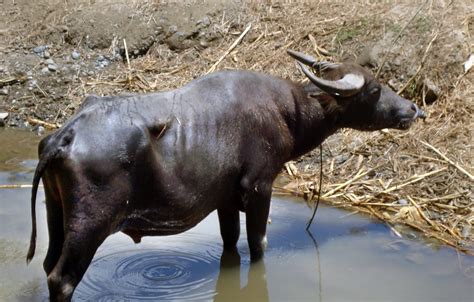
327 101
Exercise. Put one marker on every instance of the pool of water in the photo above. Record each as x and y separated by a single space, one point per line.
345 258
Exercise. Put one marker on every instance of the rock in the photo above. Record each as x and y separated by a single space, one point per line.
3 118
468 64
53 67
432 91
435 216
402 202
39 130
172 29
204 22
394 84
466 231
341 158
4 91
179 41
370 55
39 50
45 70
75 55
32 83
101 62
204 43
49 61
46 54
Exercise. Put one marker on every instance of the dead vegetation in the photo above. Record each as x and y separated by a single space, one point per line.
421 178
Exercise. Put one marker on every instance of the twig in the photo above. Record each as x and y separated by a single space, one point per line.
435 235
417 178
350 214
318 50
446 197
448 160
42 91
397 233
422 214
376 214
236 42
380 204
425 55
17 186
50 126
129 77
11 80
118 83
356 177
398 37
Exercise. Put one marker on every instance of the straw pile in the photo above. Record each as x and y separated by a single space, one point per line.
421 177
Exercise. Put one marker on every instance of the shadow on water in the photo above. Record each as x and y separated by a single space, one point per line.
343 258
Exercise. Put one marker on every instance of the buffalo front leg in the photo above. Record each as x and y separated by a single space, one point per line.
257 209
229 222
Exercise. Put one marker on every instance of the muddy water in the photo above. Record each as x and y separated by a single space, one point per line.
349 258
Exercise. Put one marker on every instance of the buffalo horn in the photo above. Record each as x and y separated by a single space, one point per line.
349 85
301 57
310 61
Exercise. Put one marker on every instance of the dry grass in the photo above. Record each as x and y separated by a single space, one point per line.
395 176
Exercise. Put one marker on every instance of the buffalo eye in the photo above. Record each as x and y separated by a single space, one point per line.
374 91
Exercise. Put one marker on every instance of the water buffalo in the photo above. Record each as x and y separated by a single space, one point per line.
157 164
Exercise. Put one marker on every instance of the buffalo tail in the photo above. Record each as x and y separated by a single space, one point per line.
36 179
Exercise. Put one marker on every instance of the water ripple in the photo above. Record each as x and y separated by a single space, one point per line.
165 274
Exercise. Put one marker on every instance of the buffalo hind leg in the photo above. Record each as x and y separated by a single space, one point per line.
56 235
229 222
257 210
81 242
54 212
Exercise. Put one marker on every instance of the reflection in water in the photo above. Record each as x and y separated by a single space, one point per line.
349 258
316 248
228 287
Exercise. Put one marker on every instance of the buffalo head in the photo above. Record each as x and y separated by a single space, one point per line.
356 97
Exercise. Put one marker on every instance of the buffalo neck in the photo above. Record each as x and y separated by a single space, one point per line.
314 119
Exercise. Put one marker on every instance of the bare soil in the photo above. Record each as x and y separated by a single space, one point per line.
53 53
